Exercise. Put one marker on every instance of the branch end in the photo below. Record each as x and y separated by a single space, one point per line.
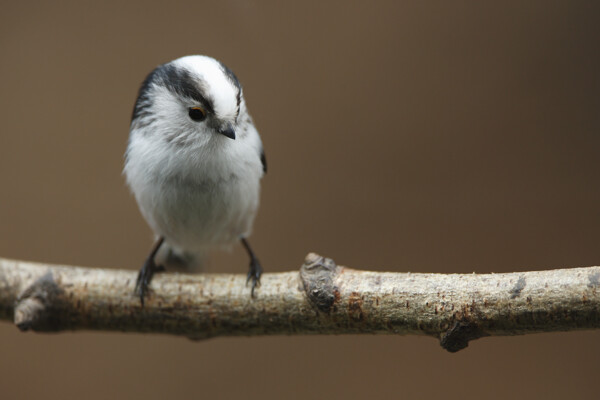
34 306
28 312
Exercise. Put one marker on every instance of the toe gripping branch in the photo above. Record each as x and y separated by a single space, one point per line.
147 272
255 271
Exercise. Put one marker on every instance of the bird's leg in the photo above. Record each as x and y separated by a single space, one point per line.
147 271
255 270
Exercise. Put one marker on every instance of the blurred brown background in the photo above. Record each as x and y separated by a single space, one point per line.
413 136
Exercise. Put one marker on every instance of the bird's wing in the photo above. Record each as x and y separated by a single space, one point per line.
263 160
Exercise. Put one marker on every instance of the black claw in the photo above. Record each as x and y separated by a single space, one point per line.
254 274
255 270
144 277
147 272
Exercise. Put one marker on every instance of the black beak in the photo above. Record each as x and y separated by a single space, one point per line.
228 131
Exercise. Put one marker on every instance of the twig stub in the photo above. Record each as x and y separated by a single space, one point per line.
318 275
459 336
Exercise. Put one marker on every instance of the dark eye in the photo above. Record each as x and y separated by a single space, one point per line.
197 114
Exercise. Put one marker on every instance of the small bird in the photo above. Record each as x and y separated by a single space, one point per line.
194 163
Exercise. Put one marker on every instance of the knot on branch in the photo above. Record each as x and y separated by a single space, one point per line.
318 275
458 337
36 306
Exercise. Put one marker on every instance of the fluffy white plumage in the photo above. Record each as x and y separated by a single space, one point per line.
196 187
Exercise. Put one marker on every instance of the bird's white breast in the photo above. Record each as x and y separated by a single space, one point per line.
197 197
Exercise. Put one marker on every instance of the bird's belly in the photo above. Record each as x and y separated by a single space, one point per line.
198 215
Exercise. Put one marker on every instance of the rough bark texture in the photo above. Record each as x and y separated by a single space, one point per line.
322 299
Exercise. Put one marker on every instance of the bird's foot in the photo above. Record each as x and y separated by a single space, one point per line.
254 274
145 277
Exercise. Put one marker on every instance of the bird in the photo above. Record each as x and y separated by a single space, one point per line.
194 162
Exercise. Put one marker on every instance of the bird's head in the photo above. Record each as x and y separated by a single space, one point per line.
193 99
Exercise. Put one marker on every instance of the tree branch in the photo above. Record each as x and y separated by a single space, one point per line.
322 299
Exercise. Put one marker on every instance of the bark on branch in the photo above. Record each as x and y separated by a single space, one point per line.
322 299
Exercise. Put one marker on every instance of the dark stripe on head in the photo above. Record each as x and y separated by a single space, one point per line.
143 102
231 76
178 81
234 80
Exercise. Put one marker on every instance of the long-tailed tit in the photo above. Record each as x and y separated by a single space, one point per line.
194 163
